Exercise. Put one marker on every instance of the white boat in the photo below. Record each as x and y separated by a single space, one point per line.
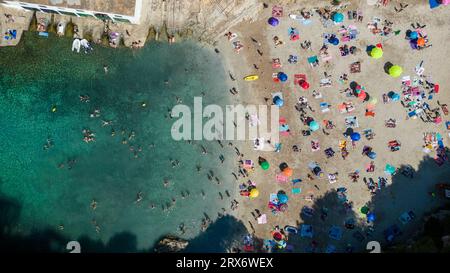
61 29
85 43
76 45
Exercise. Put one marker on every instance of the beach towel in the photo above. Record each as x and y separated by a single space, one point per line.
278 147
281 178
262 219
276 63
296 190
306 231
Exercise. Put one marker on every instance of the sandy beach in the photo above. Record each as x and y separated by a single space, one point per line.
405 194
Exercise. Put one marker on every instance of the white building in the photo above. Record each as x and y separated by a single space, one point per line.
116 10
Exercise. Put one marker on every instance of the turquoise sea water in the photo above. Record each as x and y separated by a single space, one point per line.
40 74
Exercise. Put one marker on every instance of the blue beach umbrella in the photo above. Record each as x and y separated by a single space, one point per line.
273 21
283 198
282 76
355 136
413 35
338 17
278 101
371 217
314 126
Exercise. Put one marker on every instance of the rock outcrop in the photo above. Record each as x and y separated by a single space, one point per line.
171 244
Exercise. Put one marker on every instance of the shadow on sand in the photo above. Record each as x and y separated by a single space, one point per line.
401 195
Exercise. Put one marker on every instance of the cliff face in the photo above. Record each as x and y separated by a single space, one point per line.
203 19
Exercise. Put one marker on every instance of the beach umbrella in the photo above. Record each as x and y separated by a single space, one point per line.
362 95
338 17
282 76
421 41
283 198
372 155
349 132
395 71
273 21
314 126
355 136
265 165
364 210
254 193
373 100
278 101
283 166
277 236
395 97
304 85
376 53
288 172
371 217
413 35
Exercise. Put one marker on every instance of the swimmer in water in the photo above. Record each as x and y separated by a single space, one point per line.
166 182
105 68
198 168
94 204
106 123
113 132
217 180
204 151
139 197
203 194
174 201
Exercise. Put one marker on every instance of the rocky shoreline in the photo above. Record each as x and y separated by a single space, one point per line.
199 20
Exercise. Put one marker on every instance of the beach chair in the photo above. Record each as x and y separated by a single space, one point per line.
324 107
313 61
355 67
335 233
306 231
307 212
277 11
276 63
298 78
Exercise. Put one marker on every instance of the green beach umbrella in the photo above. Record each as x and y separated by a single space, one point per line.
376 53
265 165
364 210
395 71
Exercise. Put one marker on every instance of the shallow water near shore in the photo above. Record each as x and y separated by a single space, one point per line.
55 186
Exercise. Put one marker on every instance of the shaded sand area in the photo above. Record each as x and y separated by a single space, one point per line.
133 183
401 194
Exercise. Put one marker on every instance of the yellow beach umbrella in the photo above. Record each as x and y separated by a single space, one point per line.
254 193
395 71
376 53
